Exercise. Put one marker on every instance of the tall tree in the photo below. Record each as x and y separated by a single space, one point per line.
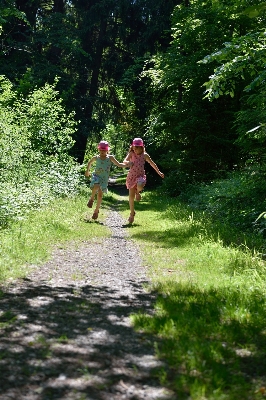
122 30
241 63
197 137
89 45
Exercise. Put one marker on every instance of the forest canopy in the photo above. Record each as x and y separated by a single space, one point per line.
186 75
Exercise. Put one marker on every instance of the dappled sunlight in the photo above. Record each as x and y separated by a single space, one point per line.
59 339
169 237
205 343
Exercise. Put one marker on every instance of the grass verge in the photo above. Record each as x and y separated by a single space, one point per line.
210 312
31 241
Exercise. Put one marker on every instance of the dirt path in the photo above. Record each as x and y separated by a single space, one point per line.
66 331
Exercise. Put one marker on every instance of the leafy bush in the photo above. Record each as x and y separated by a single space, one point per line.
239 199
36 135
175 183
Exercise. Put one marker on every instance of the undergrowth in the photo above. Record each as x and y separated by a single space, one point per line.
237 200
27 243
209 278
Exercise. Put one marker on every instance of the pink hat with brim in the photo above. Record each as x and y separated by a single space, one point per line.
103 145
137 142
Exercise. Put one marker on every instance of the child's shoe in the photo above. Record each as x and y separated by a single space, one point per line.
90 203
95 215
131 218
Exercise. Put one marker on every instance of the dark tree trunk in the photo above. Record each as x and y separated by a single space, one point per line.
96 67
93 87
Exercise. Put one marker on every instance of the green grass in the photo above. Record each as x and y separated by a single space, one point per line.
238 199
209 320
119 176
31 241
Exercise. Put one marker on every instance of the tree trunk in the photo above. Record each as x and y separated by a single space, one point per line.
97 65
94 83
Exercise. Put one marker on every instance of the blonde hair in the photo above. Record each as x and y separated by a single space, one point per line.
131 149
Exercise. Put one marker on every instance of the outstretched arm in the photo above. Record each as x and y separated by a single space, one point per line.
92 160
154 166
124 164
128 157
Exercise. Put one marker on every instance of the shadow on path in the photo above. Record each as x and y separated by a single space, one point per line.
65 332
65 343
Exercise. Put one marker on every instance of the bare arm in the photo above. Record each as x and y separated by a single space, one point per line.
124 164
154 166
92 160
128 157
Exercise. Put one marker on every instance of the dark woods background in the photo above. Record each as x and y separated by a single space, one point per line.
131 68
96 48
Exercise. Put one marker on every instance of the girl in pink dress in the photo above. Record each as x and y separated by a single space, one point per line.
136 177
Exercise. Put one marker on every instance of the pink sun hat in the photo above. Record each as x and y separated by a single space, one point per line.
137 142
103 145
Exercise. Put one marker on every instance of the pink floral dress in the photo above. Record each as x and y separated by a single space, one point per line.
136 174
101 173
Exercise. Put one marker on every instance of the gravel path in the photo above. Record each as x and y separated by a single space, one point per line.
66 332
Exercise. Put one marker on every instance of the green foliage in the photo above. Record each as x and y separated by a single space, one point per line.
236 200
116 136
242 58
241 70
250 125
31 240
99 50
8 11
176 183
210 303
36 135
180 121
255 10
49 128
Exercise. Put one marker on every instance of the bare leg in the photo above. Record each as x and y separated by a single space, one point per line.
131 200
94 190
139 188
98 205
99 200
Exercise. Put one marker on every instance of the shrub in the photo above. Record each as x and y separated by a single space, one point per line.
36 135
238 199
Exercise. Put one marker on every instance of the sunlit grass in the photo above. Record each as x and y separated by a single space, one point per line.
119 176
209 321
209 316
32 240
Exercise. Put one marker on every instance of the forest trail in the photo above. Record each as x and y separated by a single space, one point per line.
66 330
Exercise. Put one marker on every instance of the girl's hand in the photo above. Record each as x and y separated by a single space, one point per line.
128 164
87 173
161 174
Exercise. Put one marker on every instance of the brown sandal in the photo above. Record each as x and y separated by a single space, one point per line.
90 203
95 215
131 218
